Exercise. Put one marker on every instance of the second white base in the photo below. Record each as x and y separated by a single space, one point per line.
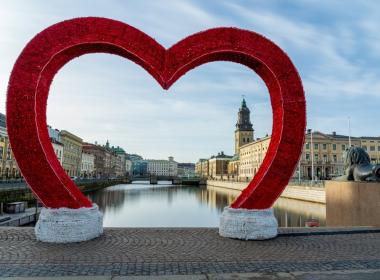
65 225
247 224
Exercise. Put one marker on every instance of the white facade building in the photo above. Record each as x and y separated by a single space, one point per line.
58 149
162 167
128 167
87 165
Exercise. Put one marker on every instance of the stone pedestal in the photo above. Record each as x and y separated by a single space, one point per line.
352 203
64 225
246 224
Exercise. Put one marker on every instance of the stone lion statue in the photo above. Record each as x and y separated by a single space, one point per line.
358 166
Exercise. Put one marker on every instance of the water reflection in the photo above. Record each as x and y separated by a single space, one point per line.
165 205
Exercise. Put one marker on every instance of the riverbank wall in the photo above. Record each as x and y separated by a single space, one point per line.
21 192
304 193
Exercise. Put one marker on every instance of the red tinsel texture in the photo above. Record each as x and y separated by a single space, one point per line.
51 49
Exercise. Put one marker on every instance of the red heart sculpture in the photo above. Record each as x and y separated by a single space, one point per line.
51 49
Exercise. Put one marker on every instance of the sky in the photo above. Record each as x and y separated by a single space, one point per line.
335 46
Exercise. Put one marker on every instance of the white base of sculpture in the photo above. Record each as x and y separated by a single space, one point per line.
256 224
65 225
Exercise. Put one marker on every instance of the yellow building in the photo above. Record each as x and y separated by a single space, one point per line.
251 157
72 152
218 165
201 168
325 153
8 165
233 167
372 146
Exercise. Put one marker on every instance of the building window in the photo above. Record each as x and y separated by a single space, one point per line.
307 146
316 157
378 148
334 147
325 158
307 156
324 146
372 148
316 146
334 157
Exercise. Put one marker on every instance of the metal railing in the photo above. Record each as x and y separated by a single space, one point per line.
293 182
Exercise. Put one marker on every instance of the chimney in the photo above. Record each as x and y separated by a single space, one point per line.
309 131
334 133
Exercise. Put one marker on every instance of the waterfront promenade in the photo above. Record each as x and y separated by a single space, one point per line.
311 192
200 252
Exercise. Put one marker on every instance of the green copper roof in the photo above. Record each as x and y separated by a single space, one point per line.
243 103
118 150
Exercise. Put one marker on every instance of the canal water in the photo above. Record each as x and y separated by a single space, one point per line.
165 205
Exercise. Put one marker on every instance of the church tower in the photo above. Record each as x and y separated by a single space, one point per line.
244 130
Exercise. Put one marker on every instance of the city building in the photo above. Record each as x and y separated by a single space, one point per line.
322 155
372 146
128 167
72 152
201 168
8 164
186 169
140 168
3 122
244 131
53 133
325 153
218 165
102 159
120 164
87 165
58 149
134 157
251 157
160 167
233 167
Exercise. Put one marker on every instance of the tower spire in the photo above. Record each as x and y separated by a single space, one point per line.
243 103
244 122
244 128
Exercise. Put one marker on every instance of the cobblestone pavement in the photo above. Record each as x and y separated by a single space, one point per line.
137 251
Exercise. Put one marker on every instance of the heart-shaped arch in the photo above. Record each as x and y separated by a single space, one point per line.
51 49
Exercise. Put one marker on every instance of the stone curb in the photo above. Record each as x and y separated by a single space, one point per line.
326 231
315 275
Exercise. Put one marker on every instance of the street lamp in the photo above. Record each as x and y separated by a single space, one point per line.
312 154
